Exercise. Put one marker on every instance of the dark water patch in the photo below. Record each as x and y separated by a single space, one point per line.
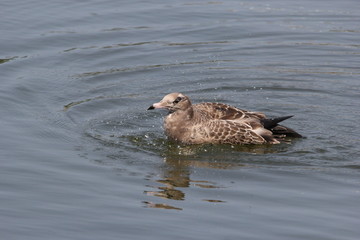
160 205
4 60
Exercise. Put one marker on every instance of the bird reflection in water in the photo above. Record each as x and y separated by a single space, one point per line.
181 160
176 174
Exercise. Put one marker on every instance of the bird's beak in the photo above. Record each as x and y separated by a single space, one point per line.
156 105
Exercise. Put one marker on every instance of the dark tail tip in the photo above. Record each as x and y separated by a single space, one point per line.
270 123
280 130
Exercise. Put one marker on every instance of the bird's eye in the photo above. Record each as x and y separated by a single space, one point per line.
178 99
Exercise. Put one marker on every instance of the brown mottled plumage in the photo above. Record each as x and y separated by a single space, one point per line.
218 123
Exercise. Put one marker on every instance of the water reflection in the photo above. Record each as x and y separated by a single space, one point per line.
181 160
173 177
176 174
160 205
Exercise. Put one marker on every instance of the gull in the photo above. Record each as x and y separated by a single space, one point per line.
218 123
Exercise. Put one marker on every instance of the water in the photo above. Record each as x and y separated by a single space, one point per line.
81 158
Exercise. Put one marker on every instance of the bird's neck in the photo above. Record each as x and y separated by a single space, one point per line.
184 115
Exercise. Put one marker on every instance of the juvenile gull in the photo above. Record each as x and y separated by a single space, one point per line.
218 123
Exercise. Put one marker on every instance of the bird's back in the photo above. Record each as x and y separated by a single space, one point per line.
227 112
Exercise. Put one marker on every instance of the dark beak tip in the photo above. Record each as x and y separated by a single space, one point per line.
151 108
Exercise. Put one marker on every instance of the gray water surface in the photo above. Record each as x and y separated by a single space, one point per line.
81 158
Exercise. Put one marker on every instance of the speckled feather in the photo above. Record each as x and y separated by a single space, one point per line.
227 112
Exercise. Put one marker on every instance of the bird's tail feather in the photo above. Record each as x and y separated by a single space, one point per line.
270 123
279 130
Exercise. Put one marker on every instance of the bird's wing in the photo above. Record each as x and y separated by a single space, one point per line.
234 132
227 112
